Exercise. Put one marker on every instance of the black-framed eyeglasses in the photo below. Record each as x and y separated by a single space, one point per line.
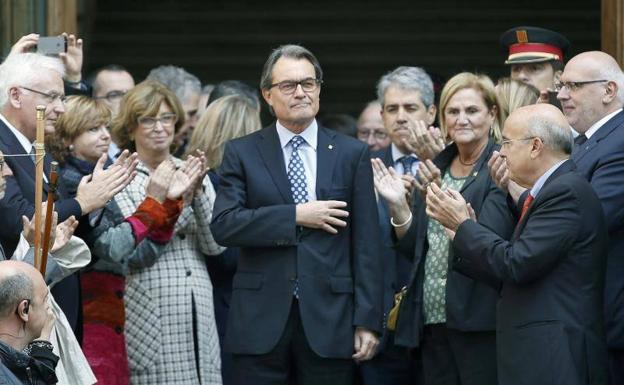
166 120
288 87
49 96
505 142
112 95
573 86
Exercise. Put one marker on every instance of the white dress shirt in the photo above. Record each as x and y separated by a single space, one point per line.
592 130
307 152
398 166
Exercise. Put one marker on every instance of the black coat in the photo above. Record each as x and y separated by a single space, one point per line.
549 316
601 160
19 368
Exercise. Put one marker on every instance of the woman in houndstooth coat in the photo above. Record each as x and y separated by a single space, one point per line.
170 330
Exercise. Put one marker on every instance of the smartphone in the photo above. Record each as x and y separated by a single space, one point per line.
52 45
552 99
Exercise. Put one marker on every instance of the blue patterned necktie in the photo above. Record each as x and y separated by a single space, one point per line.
407 162
296 172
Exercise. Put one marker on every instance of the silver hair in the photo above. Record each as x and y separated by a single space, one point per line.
24 69
557 137
177 79
407 78
290 51
615 74
13 289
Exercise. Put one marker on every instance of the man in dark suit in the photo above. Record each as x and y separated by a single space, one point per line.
591 92
28 80
549 316
298 200
407 99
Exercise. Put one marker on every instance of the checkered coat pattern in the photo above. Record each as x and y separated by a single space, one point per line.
160 298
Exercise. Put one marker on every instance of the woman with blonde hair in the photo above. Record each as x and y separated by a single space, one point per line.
512 94
450 316
228 117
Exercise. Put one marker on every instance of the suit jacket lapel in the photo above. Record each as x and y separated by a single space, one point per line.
326 152
602 133
273 157
565 167
14 147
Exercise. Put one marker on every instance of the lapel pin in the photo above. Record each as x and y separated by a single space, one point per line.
330 147
475 173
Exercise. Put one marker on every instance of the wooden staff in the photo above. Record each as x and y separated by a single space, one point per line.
48 219
39 153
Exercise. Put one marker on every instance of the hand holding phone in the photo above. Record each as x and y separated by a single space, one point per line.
52 45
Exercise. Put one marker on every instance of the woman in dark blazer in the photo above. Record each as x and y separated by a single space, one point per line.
450 316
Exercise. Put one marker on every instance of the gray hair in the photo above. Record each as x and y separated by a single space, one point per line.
177 79
559 138
24 69
14 288
290 51
614 74
407 78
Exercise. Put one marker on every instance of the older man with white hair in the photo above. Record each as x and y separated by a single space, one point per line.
26 81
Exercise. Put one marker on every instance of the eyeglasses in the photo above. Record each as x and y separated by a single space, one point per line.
573 86
166 120
288 87
50 96
508 141
112 95
364 135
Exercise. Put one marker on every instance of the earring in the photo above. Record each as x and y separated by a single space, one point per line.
71 148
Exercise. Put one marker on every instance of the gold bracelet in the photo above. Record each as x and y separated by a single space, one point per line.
401 224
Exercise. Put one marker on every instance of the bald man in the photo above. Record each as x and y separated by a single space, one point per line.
26 322
551 272
591 92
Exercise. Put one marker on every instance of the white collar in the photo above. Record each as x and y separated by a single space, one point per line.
539 183
310 134
397 154
592 130
20 137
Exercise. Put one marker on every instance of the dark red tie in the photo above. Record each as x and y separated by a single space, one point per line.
526 204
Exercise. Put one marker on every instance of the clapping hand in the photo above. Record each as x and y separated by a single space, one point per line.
425 142
427 174
28 226
97 189
63 233
448 207
388 183
158 183
184 179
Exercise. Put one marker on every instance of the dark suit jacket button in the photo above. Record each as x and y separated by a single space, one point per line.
188 273
182 236
118 329
119 294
